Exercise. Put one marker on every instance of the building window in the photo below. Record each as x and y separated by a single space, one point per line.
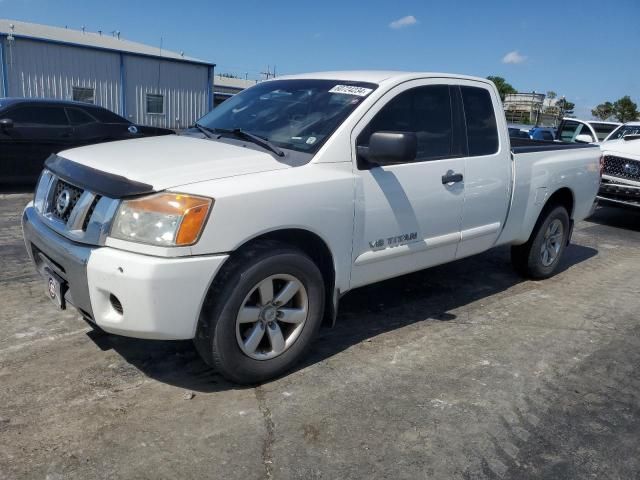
84 95
155 104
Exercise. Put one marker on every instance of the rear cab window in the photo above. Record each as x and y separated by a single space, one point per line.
480 121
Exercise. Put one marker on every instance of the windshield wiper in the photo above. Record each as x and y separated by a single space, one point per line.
238 132
208 132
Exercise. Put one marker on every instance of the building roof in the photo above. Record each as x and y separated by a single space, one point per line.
104 41
231 82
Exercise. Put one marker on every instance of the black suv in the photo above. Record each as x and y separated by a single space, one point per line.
33 129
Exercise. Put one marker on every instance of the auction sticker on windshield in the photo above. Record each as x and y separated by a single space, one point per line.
351 90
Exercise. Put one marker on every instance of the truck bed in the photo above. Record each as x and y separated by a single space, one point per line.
541 168
526 145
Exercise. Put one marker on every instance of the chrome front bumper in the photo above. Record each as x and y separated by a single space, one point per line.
618 192
67 259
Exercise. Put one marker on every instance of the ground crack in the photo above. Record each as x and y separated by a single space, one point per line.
267 445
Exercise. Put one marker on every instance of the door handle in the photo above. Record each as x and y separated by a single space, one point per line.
65 135
451 177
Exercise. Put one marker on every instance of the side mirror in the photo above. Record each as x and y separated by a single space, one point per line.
6 123
388 148
584 138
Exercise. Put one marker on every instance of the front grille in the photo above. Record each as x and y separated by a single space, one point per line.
78 214
622 167
87 218
74 195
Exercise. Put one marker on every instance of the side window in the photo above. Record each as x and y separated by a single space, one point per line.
35 115
482 131
568 131
79 117
426 111
107 116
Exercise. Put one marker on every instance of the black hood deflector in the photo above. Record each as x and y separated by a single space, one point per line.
97 181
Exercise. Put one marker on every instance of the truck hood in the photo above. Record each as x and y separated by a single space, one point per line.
173 160
625 148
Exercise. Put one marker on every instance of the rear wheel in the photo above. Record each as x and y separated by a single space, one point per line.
540 256
263 313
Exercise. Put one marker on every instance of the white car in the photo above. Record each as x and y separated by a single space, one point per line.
621 167
244 232
582 131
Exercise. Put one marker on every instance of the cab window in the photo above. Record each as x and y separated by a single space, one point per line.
568 131
425 111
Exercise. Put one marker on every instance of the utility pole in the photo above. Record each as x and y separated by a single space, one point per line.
269 74
266 74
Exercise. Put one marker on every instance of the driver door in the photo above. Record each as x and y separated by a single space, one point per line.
408 217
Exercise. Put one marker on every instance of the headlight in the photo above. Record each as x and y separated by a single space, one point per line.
165 219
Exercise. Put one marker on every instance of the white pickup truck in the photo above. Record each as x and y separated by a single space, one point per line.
244 232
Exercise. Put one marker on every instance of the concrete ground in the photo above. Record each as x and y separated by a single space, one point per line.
462 371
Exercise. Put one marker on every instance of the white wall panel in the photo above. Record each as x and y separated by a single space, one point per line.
183 85
49 70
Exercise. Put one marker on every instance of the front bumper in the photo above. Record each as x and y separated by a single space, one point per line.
156 297
619 192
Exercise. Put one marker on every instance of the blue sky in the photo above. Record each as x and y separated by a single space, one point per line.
588 51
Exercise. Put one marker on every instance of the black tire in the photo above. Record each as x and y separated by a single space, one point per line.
216 336
527 259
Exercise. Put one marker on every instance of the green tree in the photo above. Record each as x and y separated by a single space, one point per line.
551 94
503 87
625 109
603 111
565 107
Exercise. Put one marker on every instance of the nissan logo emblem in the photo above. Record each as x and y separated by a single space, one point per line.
63 201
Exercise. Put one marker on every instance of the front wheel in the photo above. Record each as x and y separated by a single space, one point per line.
540 256
263 314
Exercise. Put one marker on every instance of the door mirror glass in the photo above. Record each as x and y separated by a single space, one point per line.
584 138
388 148
6 123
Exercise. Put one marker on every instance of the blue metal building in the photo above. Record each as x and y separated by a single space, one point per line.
147 85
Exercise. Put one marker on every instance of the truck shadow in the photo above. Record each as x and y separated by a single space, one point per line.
427 296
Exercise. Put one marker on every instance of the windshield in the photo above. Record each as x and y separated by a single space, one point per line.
603 129
294 114
625 130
